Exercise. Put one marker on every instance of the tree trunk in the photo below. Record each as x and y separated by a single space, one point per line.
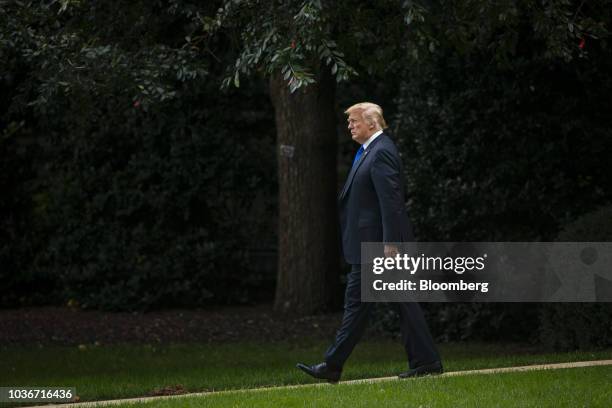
308 221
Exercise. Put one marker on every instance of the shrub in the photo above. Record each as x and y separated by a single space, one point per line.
566 326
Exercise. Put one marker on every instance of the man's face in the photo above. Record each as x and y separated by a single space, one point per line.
359 128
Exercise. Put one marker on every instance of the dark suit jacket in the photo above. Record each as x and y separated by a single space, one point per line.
372 205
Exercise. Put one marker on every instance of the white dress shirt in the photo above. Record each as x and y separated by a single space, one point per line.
371 139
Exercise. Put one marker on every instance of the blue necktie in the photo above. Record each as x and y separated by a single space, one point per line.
358 155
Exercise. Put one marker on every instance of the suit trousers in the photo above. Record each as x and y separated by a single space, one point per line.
416 338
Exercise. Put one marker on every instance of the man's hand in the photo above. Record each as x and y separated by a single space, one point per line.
391 251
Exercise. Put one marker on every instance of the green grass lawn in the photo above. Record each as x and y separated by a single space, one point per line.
108 372
575 387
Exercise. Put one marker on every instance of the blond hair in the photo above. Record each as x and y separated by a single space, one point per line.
371 112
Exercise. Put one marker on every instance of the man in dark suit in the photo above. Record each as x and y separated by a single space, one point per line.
372 209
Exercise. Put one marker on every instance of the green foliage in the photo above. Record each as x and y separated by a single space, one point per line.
61 62
595 226
504 153
292 38
450 322
297 37
503 28
151 209
19 239
137 185
567 326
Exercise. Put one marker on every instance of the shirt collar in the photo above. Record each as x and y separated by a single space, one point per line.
371 139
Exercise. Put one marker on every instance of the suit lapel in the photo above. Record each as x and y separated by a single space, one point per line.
351 175
349 179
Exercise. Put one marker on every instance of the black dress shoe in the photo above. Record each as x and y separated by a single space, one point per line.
427 369
322 371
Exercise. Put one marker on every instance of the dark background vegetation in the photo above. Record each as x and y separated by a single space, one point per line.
130 181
